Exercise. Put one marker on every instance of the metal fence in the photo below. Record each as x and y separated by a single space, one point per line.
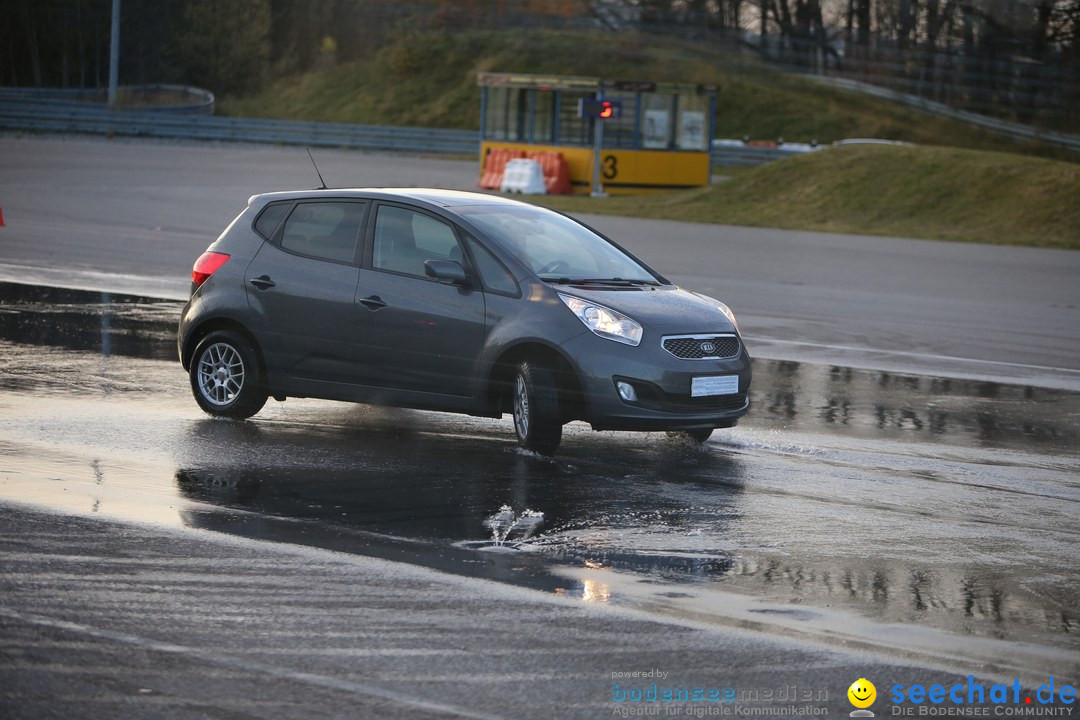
39 115
997 78
1016 131
48 117
157 98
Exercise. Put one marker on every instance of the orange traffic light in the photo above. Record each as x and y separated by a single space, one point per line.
603 109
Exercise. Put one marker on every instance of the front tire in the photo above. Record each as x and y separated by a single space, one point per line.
537 417
225 376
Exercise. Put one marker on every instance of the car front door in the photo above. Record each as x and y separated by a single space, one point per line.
302 287
413 332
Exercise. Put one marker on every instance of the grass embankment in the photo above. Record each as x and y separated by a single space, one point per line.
429 79
920 192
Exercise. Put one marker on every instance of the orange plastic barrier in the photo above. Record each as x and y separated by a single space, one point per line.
556 171
495 166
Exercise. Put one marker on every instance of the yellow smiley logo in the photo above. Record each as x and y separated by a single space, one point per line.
862 693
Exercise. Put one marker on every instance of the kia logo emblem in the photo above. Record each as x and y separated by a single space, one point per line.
708 347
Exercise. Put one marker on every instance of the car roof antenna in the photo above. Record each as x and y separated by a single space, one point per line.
323 187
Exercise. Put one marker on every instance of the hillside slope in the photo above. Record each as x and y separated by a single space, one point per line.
429 79
921 192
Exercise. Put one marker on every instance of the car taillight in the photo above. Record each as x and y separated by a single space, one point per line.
207 264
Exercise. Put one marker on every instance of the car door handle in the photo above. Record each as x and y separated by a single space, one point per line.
263 282
373 303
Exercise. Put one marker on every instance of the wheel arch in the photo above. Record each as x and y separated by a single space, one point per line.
195 336
500 379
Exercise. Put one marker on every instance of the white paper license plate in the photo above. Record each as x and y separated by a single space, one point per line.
719 385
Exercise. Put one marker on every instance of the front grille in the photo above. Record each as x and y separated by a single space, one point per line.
702 347
717 403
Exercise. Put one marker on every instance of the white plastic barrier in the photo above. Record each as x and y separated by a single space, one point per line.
523 176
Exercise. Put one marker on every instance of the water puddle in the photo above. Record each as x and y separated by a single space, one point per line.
509 530
97 322
787 396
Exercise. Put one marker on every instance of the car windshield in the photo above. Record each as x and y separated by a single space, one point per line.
557 248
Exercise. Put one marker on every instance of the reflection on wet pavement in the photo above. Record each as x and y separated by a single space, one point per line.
789 527
912 500
94 321
863 403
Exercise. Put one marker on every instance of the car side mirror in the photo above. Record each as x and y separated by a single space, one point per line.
449 271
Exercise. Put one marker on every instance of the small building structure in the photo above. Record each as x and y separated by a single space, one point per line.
660 140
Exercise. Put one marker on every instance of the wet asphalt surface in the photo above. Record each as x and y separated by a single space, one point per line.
924 517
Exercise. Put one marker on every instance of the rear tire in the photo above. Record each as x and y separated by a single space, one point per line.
537 417
225 376
699 435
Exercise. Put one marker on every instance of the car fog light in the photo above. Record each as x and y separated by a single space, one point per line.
626 391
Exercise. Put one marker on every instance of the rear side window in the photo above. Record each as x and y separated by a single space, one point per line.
269 218
325 230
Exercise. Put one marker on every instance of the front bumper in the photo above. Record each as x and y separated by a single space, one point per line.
662 383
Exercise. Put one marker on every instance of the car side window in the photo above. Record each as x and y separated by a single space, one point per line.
493 273
405 239
325 230
269 218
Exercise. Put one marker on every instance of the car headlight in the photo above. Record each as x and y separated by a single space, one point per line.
604 321
727 312
722 308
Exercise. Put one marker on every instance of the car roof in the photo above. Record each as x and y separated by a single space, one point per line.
432 196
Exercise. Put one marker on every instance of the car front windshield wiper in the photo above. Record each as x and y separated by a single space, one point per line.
616 282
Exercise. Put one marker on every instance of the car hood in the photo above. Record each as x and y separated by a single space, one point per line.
666 308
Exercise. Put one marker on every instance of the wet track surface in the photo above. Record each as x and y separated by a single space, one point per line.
847 502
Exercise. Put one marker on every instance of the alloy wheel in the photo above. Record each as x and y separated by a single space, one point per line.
521 406
221 374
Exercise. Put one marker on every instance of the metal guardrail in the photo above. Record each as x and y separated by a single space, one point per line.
48 117
749 155
1013 130
80 117
184 99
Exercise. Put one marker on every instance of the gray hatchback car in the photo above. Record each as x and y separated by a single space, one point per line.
459 302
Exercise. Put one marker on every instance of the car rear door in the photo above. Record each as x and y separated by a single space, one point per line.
415 333
302 288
